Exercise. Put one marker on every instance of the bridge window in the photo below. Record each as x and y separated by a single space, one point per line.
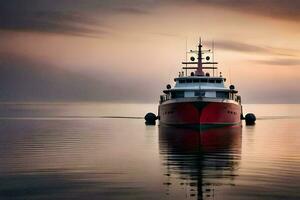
195 80
218 81
211 81
189 80
199 94
223 95
182 81
204 80
177 94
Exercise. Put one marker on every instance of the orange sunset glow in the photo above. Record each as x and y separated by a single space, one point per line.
117 50
150 99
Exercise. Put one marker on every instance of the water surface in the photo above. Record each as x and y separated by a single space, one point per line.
90 151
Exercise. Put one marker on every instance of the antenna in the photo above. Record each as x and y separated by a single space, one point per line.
229 75
213 56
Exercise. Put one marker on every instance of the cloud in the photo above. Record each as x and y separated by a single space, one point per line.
131 10
238 46
25 79
288 9
250 48
280 62
70 23
62 17
78 17
284 57
75 17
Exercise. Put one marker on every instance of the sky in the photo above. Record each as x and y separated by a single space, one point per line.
129 50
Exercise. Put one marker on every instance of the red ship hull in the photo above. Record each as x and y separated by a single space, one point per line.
203 112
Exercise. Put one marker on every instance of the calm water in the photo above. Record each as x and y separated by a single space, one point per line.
76 151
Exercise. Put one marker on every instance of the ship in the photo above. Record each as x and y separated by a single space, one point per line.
200 99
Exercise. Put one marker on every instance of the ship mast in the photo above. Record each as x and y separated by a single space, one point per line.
199 68
199 71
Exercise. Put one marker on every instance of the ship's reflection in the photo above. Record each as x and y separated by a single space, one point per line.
199 162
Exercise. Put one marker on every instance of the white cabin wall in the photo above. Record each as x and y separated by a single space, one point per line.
210 94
